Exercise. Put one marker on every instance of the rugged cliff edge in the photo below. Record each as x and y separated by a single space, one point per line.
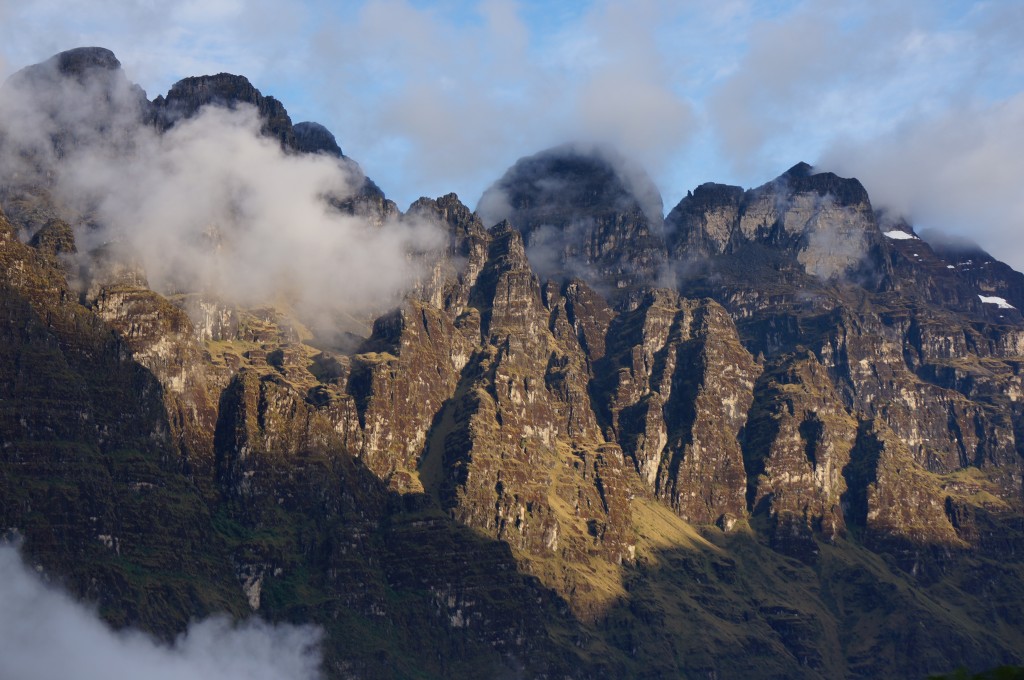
774 434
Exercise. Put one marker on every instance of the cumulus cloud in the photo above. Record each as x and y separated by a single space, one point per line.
45 634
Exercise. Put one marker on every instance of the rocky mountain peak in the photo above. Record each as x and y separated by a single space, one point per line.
802 179
80 63
47 87
78 99
594 178
584 212
83 59
315 138
801 169
189 95
226 89
821 221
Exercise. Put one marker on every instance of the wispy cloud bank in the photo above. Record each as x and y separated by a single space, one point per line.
828 70
44 634
212 206
441 97
960 171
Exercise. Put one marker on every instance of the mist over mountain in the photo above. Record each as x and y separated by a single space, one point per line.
918 100
206 189
769 432
584 212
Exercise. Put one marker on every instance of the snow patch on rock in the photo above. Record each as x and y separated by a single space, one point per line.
998 301
898 235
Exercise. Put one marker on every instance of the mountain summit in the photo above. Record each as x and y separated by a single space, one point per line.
585 212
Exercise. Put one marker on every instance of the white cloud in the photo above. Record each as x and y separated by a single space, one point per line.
158 43
959 171
211 205
826 70
462 98
44 634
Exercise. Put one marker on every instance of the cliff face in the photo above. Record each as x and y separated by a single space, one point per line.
799 460
677 386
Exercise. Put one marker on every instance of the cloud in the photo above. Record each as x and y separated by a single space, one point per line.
918 100
627 97
959 171
45 116
813 71
211 205
160 42
827 70
459 97
440 97
44 634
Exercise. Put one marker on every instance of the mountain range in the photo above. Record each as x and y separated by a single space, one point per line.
773 433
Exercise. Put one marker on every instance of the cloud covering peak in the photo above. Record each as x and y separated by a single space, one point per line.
440 97
214 203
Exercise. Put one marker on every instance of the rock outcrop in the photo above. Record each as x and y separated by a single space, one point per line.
678 385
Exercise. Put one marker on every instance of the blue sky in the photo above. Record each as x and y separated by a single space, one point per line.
922 100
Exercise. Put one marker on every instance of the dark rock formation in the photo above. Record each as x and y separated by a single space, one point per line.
315 138
187 96
585 213
978 271
369 201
